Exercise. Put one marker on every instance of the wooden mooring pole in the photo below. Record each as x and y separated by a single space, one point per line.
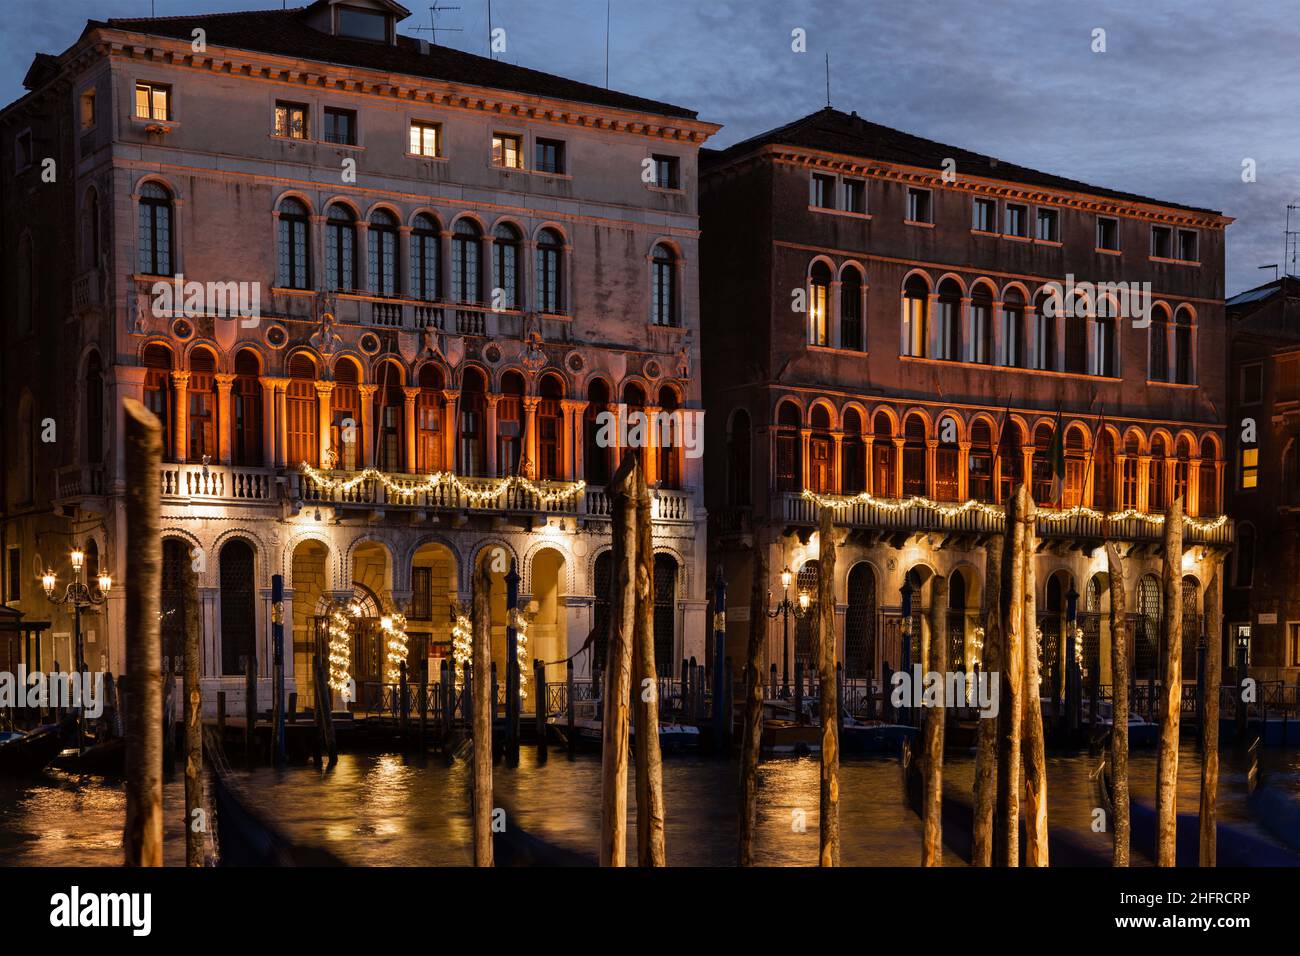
1119 680
1171 622
1033 744
143 832
539 707
484 703
1012 698
751 739
645 685
193 694
1210 719
828 705
932 727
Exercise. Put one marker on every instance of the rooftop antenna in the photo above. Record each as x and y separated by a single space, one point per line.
607 44
1291 238
1273 266
828 81
433 29
490 54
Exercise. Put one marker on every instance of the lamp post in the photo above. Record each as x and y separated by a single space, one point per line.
79 595
785 609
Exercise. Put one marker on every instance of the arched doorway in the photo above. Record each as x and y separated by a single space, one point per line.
1146 635
860 622
238 608
547 636
429 616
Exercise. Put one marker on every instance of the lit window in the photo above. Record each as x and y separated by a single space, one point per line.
1249 467
291 120
918 205
153 101
88 116
425 139
507 151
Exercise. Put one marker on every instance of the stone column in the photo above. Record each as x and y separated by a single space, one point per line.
324 418
837 462
367 457
897 491
1193 503
805 443
574 420
833 316
652 475
530 435
1031 358
268 420
869 446
963 471
1144 479
225 429
967 339
281 424
411 393
181 420
490 433
451 419
932 331
931 468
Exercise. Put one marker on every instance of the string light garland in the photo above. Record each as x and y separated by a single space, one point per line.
462 644
837 502
408 488
340 646
396 647
520 623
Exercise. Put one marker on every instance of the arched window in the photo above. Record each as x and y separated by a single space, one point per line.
1157 473
914 456
663 286
1076 466
428 410
293 248
390 419
550 272
980 482
1158 339
603 589
860 622
1132 471
505 266
738 460
789 448
345 415
1184 363
916 317
550 431
1013 329
956 621
853 463
464 262
807 580
1103 493
94 408
1208 480
1011 459
1047 307
158 392
821 467
155 235
383 253
1041 469
426 254
1105 359
302 418
851 336
665 612
1191 625
981 325
597 434
883 456
238 608
1077 319
819 303
473 404
246 410
946 461
510 428
340 249
1095 596
1146 637
1243 557
949 320
668 439
202 417
175 557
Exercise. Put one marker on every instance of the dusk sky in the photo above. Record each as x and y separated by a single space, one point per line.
1183 94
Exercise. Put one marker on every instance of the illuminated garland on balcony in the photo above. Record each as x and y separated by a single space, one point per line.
340 658
520 623
997 511
462 645
409 488
396 646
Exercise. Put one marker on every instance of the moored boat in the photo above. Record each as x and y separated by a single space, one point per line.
31 752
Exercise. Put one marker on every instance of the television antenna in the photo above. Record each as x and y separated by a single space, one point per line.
433 29
1291 241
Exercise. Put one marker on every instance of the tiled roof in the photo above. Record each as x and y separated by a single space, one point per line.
284 32
832 131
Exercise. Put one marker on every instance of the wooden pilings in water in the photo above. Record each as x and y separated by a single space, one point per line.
143 833
484 703
1119 668
1011 700
986 744
1210 716
645 685
1172 623
193 694
932 723
539 707
618 676
1032 739
751 740
828 705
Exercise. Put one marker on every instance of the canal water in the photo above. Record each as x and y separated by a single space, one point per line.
389 810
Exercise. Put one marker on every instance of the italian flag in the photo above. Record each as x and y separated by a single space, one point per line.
1056 456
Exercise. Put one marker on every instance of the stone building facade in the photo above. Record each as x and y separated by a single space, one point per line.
907 325
458 265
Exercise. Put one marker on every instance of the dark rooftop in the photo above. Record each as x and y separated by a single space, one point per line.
832 131
284 32
1249 311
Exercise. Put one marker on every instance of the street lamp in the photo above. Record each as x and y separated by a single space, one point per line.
79 595
785 609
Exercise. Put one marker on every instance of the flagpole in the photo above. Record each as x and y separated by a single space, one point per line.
1087 474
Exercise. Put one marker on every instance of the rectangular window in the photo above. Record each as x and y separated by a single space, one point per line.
918 206
823 191
426 139
855 196
1249 467
363 24
550 156
1187 245
1108 234
24 152
291 120
507 151
340 126
1161 242
1048 225
15 592
985 215
1017 220
1293 643
1252 384
153 101
667 172
421 593
88 115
